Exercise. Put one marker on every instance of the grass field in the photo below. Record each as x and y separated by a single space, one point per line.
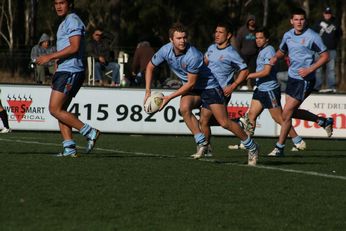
150 183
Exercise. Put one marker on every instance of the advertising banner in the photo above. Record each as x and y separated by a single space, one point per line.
120 110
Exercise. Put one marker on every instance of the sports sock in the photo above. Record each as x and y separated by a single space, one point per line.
85 130
280 146
200 138
297 139
248 143
69 147
4 118
321 121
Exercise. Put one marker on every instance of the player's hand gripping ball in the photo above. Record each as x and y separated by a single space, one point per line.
153 102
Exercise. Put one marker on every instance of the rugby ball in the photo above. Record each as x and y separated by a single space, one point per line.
153 102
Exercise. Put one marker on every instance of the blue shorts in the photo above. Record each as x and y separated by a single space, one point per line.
300 89
68 83
211 96
268 99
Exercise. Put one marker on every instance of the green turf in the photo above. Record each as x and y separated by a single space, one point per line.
150 183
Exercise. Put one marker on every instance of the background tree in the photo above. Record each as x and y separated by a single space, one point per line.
125 22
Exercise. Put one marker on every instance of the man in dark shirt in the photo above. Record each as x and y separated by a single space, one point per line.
103 60
330 32
246 45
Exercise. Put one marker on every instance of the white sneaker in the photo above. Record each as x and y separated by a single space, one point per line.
91 141
209 152
201 151
236 146
277 152
329 126
247 125
5 130
299 147
328 90
253 156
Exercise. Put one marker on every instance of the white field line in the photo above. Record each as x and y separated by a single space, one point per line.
310 173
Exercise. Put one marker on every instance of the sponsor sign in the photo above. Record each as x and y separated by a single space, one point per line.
121 111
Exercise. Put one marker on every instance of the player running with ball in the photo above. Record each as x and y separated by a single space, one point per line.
199 88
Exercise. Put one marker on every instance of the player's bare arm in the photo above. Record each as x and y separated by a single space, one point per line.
148 80
191 82
260 74
66 52
278 55
228 90
324 57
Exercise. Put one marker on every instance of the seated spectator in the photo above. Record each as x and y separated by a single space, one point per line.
42 48
99 50
143 54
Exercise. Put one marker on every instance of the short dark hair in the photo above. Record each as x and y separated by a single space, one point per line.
71 3
298 11
225 25
176 27
265 32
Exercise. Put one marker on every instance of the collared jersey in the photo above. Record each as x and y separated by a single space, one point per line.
269 82
301 50
190 62
223 63
72 25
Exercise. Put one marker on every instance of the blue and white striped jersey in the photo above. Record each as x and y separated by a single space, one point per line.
71 26
269 82
223 63
301 50
190 62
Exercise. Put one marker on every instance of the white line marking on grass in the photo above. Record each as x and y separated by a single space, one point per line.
310 173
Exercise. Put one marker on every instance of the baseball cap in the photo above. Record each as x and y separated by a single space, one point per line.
327 10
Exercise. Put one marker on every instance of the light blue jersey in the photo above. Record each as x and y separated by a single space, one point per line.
223 63
301 50
71 26
269 82
190 62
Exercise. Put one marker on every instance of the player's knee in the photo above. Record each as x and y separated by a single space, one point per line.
224 123
53 111
185 110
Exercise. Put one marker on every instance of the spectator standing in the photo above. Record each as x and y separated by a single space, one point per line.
43 48
246 45
330 32
97 48
143 54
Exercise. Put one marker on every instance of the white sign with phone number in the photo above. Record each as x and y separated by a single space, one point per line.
121 111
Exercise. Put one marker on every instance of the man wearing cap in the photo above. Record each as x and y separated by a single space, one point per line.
42 48
330 32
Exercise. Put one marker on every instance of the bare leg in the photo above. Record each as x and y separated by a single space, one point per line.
256 109
220 114
187 104
276 114
204 123
58 104
291 105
